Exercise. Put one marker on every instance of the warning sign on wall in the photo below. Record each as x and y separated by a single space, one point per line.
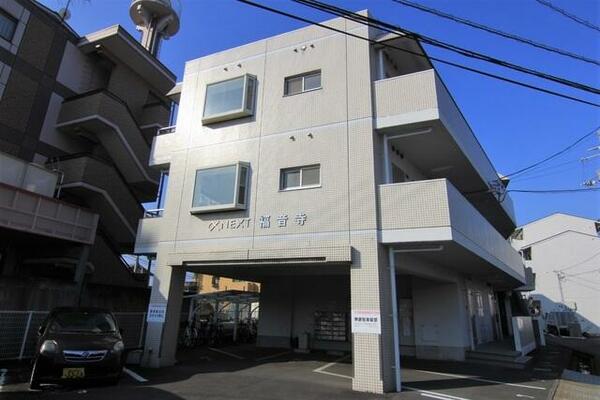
156 312
366 321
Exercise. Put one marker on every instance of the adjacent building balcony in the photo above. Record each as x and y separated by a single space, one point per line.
418 117
37 214
27 204
103 188
162 147
103 117
148 234
432 216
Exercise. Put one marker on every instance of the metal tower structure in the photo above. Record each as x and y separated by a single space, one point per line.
156 19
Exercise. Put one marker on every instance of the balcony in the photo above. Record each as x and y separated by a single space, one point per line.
417 115
104 190
37 214
148 235
434 213
162 146
101 116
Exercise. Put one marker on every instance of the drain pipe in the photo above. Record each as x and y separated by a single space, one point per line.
392 267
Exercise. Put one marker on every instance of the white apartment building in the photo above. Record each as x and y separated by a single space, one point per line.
564 253
341 176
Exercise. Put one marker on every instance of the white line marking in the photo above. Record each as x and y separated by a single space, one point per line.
435 395
330 364
134 375
482 379
321 369
227 353
524 395
332 374
283 353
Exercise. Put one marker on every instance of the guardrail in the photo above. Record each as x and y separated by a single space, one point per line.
18 331
154 213
166 130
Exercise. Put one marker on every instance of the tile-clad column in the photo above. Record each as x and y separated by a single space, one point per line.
167 288
370 291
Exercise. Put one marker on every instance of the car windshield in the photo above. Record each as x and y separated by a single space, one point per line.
82 322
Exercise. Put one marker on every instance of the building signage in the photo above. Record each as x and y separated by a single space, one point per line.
281 220
156 312
366 321
229 224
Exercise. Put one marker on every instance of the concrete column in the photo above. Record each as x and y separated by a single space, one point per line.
161 337
373 354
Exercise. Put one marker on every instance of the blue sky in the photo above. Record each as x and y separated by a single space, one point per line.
516 126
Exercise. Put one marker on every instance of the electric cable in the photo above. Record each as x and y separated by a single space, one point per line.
495 31
341 12
569 15
441 61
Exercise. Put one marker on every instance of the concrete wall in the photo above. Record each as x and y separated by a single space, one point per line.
439 320
288 305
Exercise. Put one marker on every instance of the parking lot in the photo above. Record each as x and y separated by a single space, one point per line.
247 372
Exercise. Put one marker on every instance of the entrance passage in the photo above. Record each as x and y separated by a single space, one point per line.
218 318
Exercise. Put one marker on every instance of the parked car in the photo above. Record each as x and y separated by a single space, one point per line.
76 344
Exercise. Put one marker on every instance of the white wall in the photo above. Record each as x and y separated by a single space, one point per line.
565 252
439 317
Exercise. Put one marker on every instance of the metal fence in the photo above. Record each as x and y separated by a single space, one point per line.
18 331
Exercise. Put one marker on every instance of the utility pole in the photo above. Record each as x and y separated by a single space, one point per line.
595 181
561 277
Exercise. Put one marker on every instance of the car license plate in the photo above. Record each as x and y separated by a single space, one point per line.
73 373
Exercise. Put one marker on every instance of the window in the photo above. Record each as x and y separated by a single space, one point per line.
8 25
302 83
230 99
526 253
215 281
300 177
221 188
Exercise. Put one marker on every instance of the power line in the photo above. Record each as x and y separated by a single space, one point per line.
569 15
495 31
441 61
553 191
385 26
554 155
581 262
553 171
584 273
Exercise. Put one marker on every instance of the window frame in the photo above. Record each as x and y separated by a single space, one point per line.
303 76
243 111
12 18
282 172
234 205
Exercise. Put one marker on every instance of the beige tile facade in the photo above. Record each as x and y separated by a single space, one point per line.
341 236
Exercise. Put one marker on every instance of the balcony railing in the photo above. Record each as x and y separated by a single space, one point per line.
154 213
30 212
166 130
421 207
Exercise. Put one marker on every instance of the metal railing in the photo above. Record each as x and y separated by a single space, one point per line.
18 331
166 130
154 213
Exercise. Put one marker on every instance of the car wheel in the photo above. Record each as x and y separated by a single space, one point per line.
34 381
